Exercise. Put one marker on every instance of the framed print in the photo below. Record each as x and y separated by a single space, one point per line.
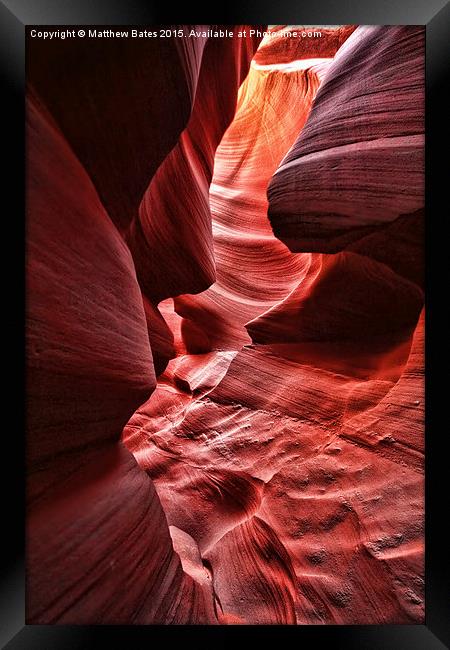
225 250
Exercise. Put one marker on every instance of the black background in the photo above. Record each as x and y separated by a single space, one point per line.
14 16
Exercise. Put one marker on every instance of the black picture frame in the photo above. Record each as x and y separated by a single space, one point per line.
15 15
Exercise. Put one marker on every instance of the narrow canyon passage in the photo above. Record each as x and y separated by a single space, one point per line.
256 463
248 324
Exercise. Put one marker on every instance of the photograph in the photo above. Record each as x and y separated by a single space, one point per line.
225 322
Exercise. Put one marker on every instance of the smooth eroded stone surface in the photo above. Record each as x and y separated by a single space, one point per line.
89 358
98 542
358 165
121 104
99 552
171 238
252 567
285 441
343 297
253 268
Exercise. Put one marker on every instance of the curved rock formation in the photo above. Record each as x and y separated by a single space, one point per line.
253 268
89 359
171 240
358 165
121 108
95 526
345 297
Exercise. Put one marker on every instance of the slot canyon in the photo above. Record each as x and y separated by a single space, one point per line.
225 328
